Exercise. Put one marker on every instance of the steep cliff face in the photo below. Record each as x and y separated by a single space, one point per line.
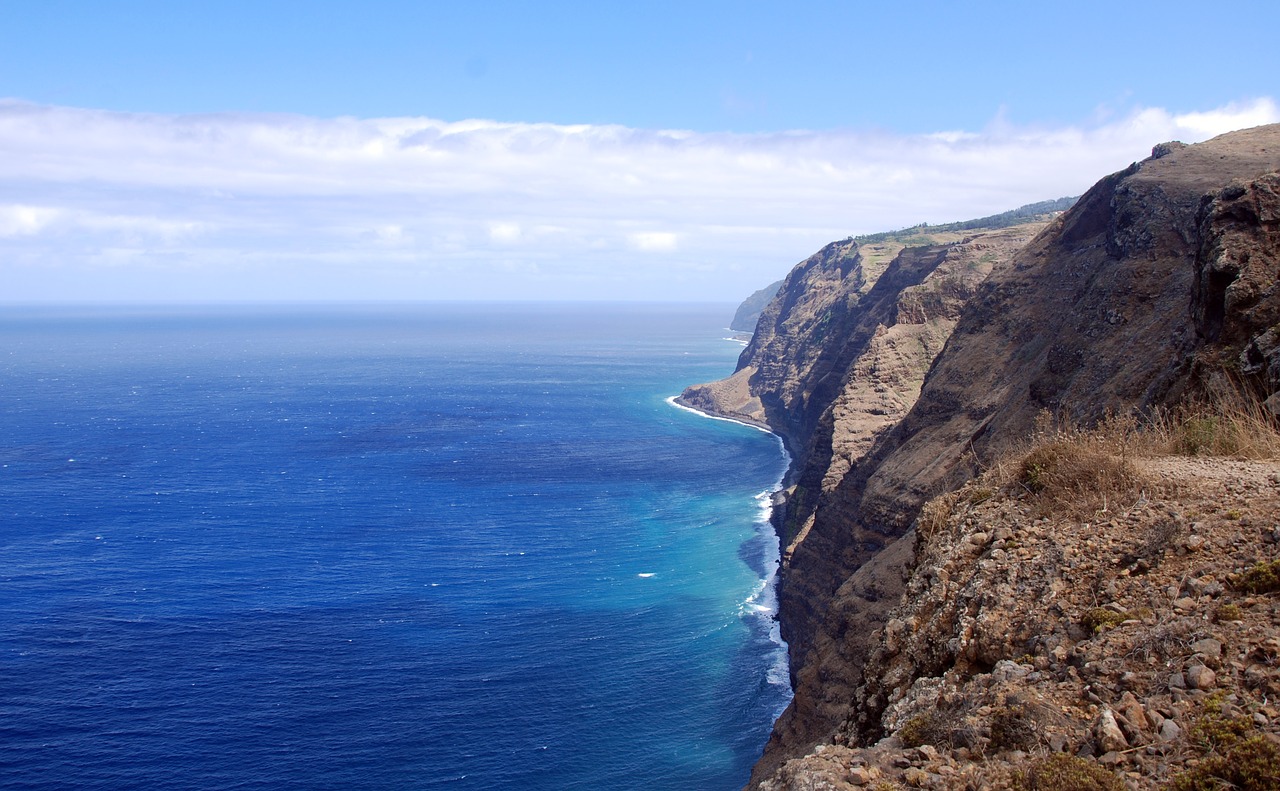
1161 277
853 327
748 313
838 357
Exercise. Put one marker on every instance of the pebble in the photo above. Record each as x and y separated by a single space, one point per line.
916 777
1110 737
1208 647
1200 677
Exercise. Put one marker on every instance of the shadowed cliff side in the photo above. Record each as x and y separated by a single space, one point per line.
839 356
1162 277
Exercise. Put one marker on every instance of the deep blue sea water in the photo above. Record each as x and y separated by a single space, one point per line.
410 547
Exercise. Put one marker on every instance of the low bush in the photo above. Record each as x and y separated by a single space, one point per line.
1071 474
1100 619
1013 727
1236 755
1250 765
1261 578
1062 772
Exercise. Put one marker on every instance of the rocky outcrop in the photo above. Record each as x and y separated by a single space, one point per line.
838 357
1118 634
1159 282
841 351
1101 312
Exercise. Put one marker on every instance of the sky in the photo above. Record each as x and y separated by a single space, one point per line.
381 150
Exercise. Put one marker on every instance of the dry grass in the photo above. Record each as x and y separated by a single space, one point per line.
1089 473
934 517
1075 472
1234 433
1230 422
1073 477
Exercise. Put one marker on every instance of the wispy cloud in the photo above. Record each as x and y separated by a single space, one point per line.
404 207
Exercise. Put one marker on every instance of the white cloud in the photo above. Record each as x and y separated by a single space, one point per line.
1225 119
483 208
19 220
504 232
654 241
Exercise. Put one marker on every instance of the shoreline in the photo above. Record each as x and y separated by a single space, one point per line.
771 501
759 425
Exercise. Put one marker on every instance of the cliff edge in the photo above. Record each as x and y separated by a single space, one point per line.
1158 285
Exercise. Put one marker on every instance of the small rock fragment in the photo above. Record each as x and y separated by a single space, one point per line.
916 777
1200 677
1209 647
1110 737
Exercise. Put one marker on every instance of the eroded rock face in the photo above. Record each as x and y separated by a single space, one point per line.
1170 261
837 359
840 353
1104 634
1235 302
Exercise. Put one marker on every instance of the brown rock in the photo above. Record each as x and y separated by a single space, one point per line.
1108 734
1200 677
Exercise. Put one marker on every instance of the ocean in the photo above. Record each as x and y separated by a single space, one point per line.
370 547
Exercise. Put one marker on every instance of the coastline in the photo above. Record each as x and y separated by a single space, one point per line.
764 601
759 425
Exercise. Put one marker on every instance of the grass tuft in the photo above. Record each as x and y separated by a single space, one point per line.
1260 578
1074 474
1061 772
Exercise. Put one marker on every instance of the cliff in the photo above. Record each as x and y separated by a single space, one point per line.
748 313
1156 286
1050 639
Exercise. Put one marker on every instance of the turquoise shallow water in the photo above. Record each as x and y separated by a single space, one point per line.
397 547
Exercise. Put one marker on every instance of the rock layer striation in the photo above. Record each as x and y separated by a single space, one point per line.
897 378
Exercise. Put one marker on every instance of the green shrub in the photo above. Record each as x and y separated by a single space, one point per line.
922 729
1062 772
1100 618
1249 765
1262 578
1216 732
1227 612
1198 434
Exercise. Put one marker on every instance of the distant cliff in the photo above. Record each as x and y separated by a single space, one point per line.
748 313
897 374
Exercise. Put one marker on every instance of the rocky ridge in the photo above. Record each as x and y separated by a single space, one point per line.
1158 284
1116 636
